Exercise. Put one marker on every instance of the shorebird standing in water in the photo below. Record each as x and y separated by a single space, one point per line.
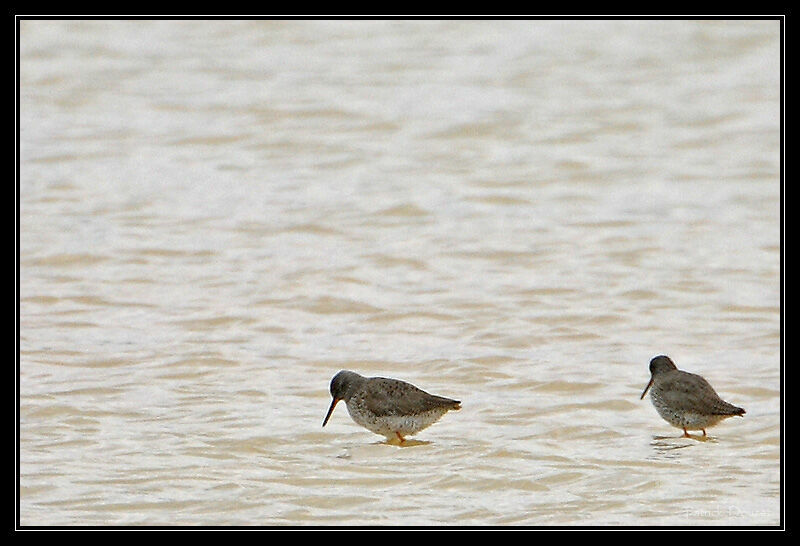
389 407
685 400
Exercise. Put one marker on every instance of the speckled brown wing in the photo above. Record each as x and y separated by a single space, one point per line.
684 391
395 397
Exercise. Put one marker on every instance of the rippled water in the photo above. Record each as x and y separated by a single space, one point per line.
217 216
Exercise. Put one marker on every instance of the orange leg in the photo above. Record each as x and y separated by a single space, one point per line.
399 437
704 431
685 433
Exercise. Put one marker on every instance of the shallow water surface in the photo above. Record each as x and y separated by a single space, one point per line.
217 216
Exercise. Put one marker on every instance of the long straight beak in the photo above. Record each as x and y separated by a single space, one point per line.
646 388
330 410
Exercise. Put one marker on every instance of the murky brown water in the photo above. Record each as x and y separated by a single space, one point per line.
215 217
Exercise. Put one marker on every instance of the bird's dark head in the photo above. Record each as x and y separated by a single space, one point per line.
342 386
661 363
343 383
658 365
